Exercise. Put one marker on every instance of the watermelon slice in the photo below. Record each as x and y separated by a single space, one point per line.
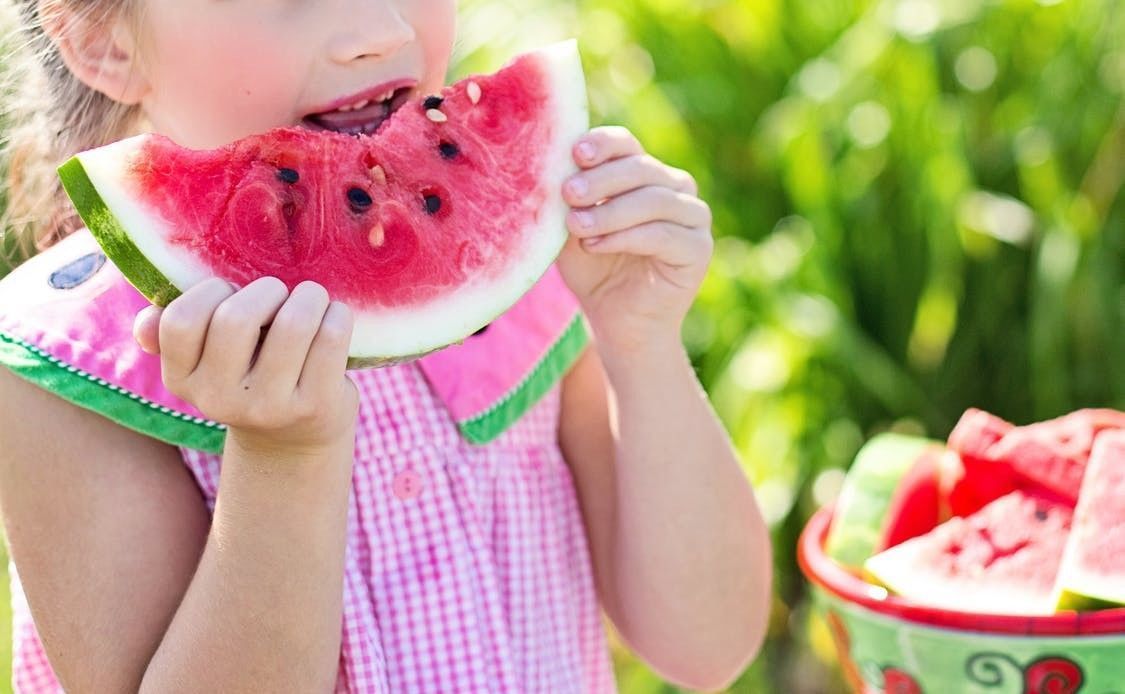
1093 566
889 495
1001 560
428 229
1047 458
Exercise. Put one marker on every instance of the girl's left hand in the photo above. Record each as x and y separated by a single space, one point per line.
640 241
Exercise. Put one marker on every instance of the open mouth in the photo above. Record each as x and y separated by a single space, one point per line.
362 117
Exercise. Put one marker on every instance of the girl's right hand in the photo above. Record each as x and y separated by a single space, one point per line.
289 395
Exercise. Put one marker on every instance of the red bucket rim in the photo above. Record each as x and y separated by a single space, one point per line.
834 579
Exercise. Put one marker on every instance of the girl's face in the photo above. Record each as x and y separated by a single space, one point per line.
218 70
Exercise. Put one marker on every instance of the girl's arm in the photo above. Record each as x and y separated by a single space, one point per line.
680 551
130 588
106 527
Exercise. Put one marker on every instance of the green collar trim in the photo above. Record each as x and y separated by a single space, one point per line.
142 415
122 406
489 424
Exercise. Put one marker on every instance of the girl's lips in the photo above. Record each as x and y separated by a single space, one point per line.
364 120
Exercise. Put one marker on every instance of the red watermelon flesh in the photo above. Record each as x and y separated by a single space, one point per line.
1001 560
916 507
977 431
428 229
976 478
469 163
1093 568
1047 457
1072 435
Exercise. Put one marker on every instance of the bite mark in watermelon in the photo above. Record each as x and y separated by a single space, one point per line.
428 229
1001 560
1093 566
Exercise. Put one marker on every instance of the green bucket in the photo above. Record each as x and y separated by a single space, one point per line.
888 644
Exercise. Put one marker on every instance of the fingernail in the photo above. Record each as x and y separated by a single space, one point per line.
584 219
586 150
579 186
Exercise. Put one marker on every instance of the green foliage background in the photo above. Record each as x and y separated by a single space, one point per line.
918 207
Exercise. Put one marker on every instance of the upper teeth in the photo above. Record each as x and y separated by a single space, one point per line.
385 96
356 106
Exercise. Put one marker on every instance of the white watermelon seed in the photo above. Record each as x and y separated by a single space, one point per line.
379 175
473 90
376 236
436 116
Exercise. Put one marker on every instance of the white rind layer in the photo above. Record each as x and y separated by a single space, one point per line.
393 333
109 168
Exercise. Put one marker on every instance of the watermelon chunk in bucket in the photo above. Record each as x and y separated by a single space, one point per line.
428 229
1003 559
1093 566
890 495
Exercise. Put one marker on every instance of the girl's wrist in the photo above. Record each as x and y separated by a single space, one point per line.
281 458
627 337
638 361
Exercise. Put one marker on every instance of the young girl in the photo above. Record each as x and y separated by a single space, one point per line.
344 531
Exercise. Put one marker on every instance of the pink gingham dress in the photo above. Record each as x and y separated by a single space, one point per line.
467 567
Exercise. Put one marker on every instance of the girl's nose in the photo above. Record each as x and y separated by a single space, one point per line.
372 28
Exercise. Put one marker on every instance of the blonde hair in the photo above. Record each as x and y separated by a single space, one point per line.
47 116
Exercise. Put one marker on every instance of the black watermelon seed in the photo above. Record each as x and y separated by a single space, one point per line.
1040 514
433 204
432 102
449 150
359 198
288 175
481 331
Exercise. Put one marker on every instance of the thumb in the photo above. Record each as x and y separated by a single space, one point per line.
146 329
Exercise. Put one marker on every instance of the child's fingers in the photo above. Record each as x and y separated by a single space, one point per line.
183 329
669 243
623 175
282 355
236 327
146 329
328 354
603 144
648 204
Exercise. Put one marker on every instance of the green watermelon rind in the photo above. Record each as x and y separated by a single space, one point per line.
1078 602
869 487
112 237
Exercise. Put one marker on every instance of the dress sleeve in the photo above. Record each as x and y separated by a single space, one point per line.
66 320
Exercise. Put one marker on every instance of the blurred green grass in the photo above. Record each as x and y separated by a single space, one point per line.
918 206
